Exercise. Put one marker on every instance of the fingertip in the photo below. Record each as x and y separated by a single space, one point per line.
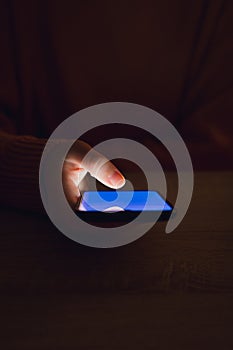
116 179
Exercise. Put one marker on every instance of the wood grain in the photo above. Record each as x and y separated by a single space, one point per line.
57 294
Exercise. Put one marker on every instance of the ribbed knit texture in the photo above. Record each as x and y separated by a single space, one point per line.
19 171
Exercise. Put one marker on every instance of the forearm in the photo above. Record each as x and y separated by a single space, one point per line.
19 171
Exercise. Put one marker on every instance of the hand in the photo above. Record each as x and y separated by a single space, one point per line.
76 166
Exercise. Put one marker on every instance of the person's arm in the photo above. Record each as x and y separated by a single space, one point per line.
19 171
20 154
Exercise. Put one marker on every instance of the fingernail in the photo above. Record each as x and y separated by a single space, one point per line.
116 179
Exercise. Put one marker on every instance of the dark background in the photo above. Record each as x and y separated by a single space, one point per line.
58 57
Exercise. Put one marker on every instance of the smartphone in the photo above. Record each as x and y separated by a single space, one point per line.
96 206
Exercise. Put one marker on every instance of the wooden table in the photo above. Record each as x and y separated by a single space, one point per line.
160 292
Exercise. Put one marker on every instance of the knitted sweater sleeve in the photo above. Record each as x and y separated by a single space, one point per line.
19 171
19 155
